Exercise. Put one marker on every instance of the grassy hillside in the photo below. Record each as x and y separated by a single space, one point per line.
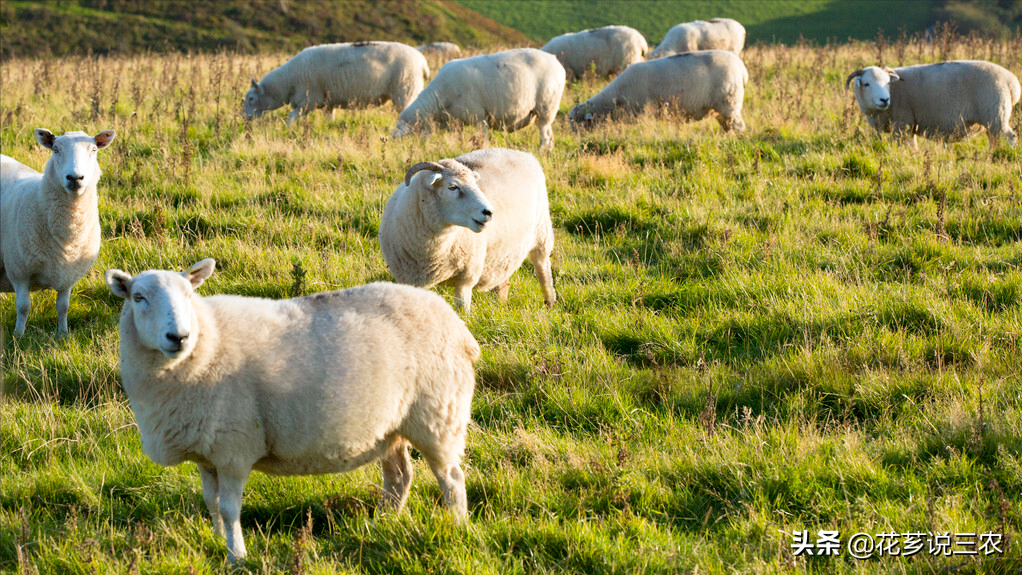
804 327
130 26
776 20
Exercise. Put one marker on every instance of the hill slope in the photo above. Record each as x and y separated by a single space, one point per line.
128 26
777 20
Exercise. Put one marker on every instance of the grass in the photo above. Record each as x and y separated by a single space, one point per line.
778 20
805 327
31 28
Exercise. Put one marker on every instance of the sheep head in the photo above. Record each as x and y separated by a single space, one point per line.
160 307
73 165
255 102
588 113
450 194
872 87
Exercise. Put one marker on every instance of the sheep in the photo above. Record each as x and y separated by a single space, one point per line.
49 222
607 50
694 83
340 75
439 53
946 100
470 222
714 34
321 384
508 91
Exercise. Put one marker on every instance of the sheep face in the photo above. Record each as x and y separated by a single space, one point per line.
588 113
580 115
872 88
161 307
73 162
456 198
254 104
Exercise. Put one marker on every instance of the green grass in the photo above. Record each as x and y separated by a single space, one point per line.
805 327
777 20
32 28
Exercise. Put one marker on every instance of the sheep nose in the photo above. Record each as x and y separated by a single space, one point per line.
74 181
885 101
488 214
177 339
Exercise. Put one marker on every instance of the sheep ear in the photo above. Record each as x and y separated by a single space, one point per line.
104 138
200 272
119 283
258 87
45 138
429 178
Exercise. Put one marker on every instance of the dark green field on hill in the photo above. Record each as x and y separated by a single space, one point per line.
775 20
785 21
33 28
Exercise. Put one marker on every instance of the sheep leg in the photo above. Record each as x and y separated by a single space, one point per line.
994 134
63 303
463 297
22 303
501 291
210 494
540 258
397 474
231 487
452 484
546 137
731 122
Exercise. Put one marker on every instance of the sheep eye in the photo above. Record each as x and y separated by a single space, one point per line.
452 188
865 85
93 149
138 297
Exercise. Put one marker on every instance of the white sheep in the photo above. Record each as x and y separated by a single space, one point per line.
713 34
508 91
947 100
470 222
694 83
49 222
439 53
340 75
606 50
320 384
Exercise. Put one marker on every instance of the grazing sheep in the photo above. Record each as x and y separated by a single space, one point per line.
49 222
606 50
714 34
693 83
321 384
470 222
947 100
439 53
340 75
508 91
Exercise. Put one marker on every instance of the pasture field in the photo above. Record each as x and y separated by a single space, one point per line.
804 327
777 20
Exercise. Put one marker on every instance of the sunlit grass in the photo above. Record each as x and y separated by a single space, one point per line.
805 327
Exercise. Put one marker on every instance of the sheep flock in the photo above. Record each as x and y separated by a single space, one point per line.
336 380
